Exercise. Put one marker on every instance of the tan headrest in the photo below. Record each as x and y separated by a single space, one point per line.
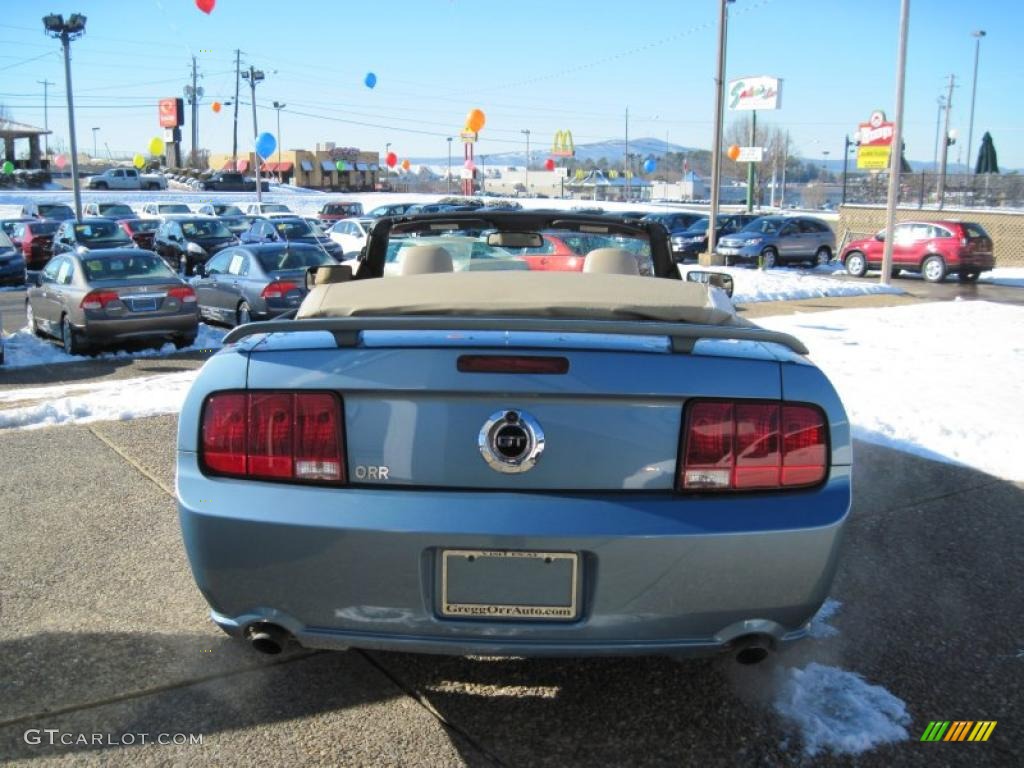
425 259
611 261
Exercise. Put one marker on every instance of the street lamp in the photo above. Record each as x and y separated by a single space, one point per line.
279 106
847 144
948 140
977 34
254 76
66 31
94 129
526 132
449 165
387 168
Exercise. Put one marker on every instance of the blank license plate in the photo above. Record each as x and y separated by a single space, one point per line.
143 305
498 584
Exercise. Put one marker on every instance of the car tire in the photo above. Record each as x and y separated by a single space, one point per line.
30 318
855 263
70 338
769 258
180 342
244 314
823 256
100 185
933 269
969 276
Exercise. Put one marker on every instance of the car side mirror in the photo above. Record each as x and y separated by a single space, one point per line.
880 237
717 279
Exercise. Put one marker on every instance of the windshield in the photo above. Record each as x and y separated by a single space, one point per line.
144 225
114 210
43 227
204 228
343 208
133 265
275 208
59 212
95 231
764 226
227 210
290 229
292 258
5 241
173 208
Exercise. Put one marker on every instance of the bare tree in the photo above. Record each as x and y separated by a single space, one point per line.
777 150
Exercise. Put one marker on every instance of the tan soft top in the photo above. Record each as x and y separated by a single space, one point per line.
568 295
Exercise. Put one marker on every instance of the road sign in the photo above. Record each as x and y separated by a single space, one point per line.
750 155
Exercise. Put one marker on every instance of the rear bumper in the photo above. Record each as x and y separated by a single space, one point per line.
659 573
161 326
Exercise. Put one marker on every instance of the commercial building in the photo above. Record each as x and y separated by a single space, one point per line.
328 167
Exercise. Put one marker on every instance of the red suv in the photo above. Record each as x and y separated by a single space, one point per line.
35 239
933 248
339 211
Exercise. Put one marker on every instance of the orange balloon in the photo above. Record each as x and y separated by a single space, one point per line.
215 106
734 151
475 120
406 164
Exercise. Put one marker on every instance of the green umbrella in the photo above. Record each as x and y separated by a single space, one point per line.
987 156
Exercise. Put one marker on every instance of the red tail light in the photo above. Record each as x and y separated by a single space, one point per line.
183 293
735 446
99 299
274 436
278 290
512 364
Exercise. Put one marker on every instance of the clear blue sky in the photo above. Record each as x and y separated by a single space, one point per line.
529 65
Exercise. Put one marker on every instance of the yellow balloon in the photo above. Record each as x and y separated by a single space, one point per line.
156 146
138 161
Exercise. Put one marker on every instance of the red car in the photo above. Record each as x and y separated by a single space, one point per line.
339 211
35 239
142 231
933 248
554 256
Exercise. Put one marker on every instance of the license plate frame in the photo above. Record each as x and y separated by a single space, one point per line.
566 610
143 304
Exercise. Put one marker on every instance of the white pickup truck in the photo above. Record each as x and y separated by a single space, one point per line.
126 178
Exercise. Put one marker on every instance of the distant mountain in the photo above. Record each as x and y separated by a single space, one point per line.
611 149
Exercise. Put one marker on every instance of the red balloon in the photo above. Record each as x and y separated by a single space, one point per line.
550 164
392 159
206 6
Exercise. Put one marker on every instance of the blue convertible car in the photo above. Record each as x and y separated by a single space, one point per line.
507 462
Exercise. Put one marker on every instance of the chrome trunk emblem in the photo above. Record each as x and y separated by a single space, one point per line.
511 441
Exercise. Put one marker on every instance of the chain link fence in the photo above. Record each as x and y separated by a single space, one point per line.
921 190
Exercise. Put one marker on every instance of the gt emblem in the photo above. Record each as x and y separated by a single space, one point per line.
511 441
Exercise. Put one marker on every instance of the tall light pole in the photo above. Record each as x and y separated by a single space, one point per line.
947 139
94 129
938 127
279 106
716 146
977 34
387 168
254 76
526 132
46 116
66 31
449 165
896 154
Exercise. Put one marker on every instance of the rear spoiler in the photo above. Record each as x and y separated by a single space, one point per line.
346 330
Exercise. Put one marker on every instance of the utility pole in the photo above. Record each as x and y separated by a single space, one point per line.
234 136
785 162
945 144
751 179
716 146
195 114
46 117
254 76
526 131
896 154
629 162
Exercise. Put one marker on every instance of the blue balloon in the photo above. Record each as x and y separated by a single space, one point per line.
370 80
265 145
650 165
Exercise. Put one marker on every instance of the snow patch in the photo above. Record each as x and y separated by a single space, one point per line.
754 285
819 627
1012 276
838 711
935 379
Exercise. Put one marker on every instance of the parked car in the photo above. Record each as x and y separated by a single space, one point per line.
7 225
35 239
156 210
467 254
290 230
126 178
339 211
933 248
319 225
644 486
142 231
219 209
350 234
85 234
56 211
186 241
419 208
12 262
777 240
111 296
255 282
692 242
393 209
230 181
267 209
674 221
109 210
237 224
